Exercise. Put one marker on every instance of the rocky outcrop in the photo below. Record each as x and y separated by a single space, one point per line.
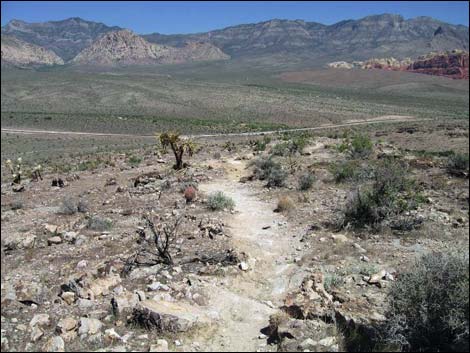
453 64
127 48
120 48
16 52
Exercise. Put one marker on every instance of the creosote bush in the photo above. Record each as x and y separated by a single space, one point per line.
389 195
71 205
99 224
429 305
219 201
347 171
458 163
361 146
271 171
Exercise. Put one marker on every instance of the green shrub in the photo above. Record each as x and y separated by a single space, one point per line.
88 165
99 224
458 163
342 147
306 181
361 146
298 144
69 206
346 171
276 178
280 149
389 195
218 201
134 161
429 305
271 171
332 280
361 210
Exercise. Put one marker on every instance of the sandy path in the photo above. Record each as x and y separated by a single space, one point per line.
243 301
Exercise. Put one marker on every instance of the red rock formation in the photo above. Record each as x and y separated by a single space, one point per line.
451 64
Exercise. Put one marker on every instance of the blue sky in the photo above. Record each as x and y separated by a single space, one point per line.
199 16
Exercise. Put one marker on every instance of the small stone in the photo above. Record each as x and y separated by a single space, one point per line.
178 343
160 346
54 344
40 320
308 343
84 303
36 334
89 326
359 248
328 341
68 297
110 335
339 238
81 265
243 266
51 228
70 237
54 240
375 278
364 258
158 286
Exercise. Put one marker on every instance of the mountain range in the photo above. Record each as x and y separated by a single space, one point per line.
76 41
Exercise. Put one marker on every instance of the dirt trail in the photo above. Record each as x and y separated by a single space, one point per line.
378 120
243 301
246 301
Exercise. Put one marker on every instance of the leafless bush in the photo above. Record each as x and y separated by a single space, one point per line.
163 235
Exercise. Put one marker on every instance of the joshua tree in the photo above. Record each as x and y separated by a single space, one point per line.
36 172
15 170
178 146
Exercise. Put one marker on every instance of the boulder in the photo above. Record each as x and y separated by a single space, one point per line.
66 324
89 327
40 320
20 241
168 316
124 303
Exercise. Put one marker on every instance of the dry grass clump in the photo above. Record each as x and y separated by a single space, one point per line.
285 204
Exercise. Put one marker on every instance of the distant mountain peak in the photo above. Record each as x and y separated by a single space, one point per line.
124 47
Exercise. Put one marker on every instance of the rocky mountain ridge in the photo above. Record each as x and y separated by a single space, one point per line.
270 42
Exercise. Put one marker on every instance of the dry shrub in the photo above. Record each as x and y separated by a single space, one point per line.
285 204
